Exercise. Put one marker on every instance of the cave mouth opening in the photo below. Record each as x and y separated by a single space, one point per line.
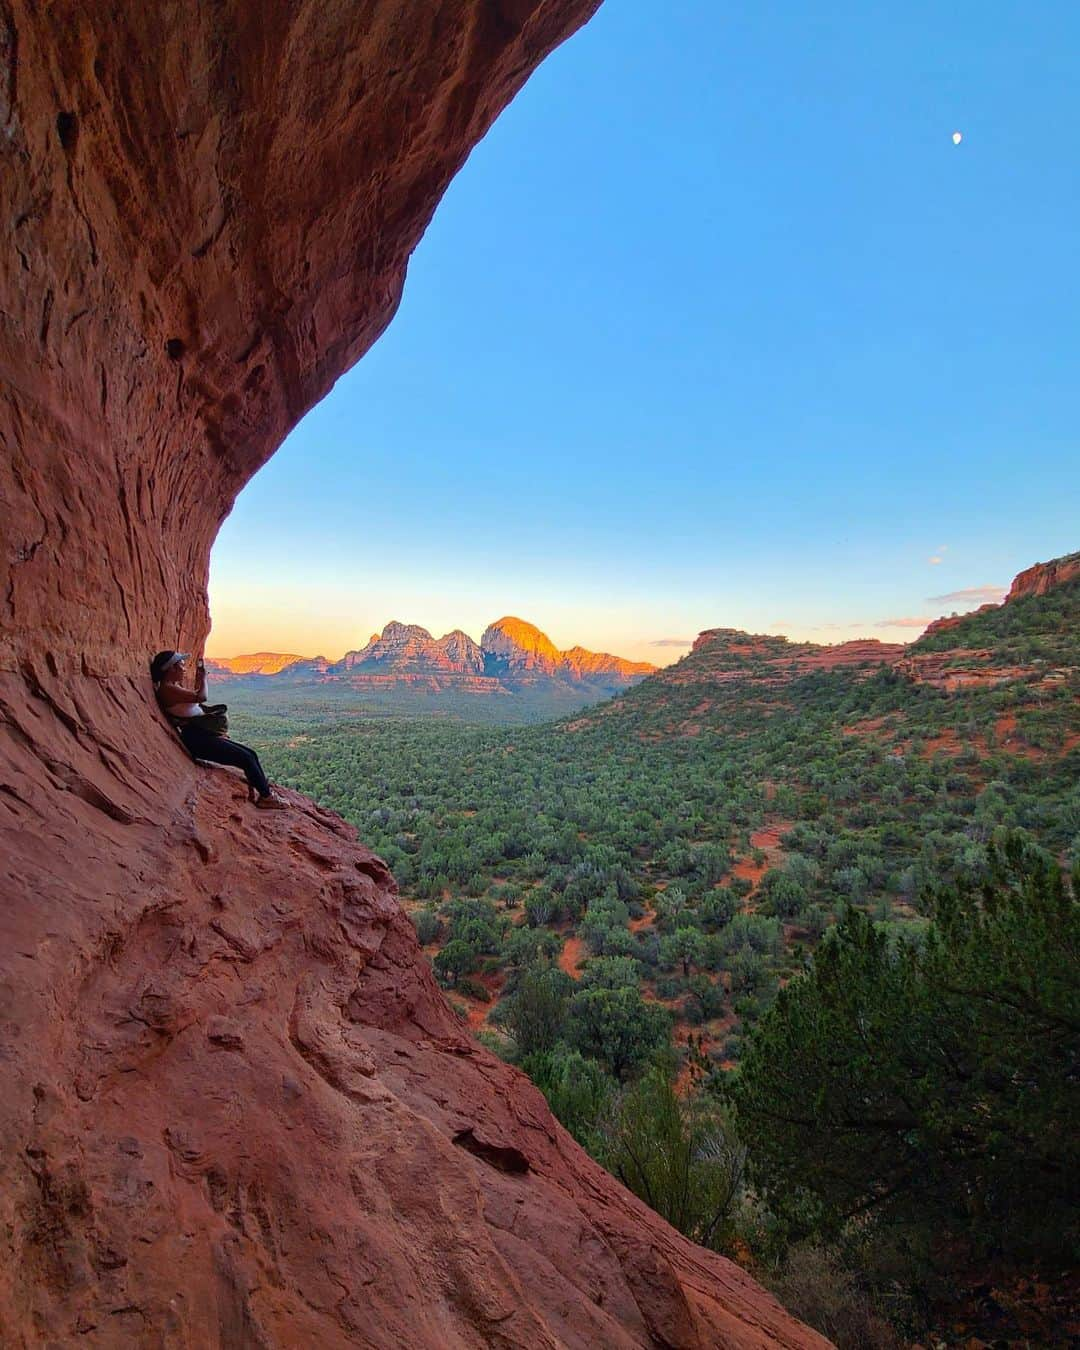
649 374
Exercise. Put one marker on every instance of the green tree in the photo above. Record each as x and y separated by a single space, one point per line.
540 907
617 1027
684 947
930 1080
457 958
704 999
718 908
535 1011
670 904
427 925
577 1089
527 946
610 972
782 893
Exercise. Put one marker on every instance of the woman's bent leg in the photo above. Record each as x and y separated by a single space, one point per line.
220 750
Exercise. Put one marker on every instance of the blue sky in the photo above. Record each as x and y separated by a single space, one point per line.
717 327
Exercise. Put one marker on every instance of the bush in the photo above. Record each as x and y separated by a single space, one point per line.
529 946
704 1000
609 972
505 895
718 908
617 1027
428 926
577 1090
456 959
534 1014
815 919
782 894
684 948
748 971
473 989
760 934
815 1284
541 907
677 1154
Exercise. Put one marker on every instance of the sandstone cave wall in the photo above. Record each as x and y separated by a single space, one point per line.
234 1108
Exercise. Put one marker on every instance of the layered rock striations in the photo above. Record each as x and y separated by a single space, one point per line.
234 1108
1043 578
408 649
727 655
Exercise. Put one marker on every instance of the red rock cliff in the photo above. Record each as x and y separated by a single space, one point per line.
234 1108
1044 577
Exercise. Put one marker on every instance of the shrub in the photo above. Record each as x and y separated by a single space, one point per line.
428 926
685 947
457 958
783 895
617 1027
755 931
609 972
677 1154
815 919
534 1014
748 971
540 908
815 1284
577 1090
718 908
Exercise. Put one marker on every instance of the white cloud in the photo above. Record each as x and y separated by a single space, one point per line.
910 621
970 595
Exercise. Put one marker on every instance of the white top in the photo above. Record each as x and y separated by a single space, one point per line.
185 710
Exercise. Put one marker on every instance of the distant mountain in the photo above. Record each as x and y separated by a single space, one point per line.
516 648
512 657
518 652
262 663
407 649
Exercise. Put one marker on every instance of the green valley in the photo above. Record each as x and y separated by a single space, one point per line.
628 903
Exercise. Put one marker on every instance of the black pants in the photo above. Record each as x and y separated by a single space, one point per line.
203 744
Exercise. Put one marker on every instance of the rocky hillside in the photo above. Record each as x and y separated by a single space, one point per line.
1028 644
1045 577
234 1109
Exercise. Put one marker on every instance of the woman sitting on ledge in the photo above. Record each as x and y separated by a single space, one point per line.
183 708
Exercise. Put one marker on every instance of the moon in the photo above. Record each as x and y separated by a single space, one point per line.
956 138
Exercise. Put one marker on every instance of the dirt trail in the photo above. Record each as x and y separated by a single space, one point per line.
571 955
477 1011
767 839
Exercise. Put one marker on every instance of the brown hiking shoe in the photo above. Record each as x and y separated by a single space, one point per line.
271 803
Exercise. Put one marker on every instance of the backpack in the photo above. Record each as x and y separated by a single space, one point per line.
214 718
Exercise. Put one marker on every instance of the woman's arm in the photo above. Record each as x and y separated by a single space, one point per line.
200 682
